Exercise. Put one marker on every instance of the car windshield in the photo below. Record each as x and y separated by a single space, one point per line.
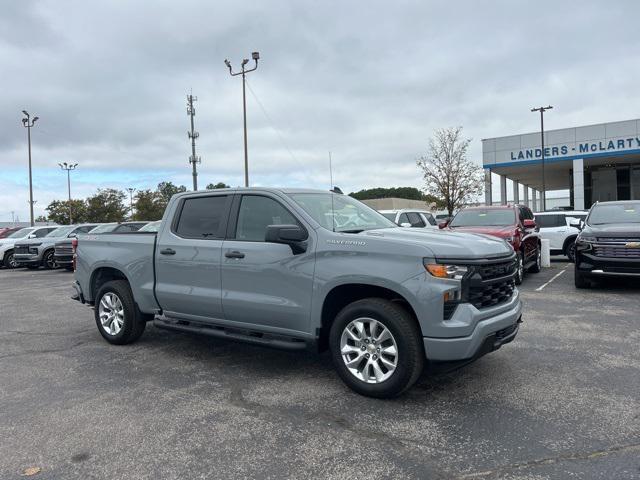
614 213
21 233
484 217
61 231
151 227
390 216
340 212
107 227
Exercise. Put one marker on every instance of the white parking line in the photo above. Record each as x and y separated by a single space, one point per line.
552 279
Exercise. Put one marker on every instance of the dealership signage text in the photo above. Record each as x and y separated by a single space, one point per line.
620 144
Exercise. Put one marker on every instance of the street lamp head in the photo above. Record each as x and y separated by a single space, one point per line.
75 165
25 121
227 63
245 61
549 107
26 113
255 56
34 120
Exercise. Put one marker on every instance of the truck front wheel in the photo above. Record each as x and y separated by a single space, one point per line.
376 347
118 318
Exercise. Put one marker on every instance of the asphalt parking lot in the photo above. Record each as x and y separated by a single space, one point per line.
562 401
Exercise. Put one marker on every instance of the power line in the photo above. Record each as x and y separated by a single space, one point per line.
275 129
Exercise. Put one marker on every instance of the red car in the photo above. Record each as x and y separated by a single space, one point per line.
513 223
5 232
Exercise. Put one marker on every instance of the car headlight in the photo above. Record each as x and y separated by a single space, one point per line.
586 239
441 270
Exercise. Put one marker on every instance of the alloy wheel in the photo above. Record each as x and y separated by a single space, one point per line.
369 350
12 261
111 313
50 261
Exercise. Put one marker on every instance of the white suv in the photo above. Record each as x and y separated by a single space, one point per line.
555 226
411 218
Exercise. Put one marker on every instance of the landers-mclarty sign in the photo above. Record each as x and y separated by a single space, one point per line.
617 145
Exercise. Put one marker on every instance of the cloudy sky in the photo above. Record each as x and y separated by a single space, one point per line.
368 81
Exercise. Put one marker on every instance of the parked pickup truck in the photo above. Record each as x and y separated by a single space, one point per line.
270 267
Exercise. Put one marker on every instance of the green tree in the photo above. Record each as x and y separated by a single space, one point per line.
58 211
447 172
410 193
215 186
108 205
148 205
166 190
41 219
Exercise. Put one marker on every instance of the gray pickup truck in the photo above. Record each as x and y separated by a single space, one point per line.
269 266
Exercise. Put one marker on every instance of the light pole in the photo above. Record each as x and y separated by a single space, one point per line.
28 122
131 190
243 72
68 167
543 200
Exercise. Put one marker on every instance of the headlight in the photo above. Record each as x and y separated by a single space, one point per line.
35 244
508 239
440 270
586 239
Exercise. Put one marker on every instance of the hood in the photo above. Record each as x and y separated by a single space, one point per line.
501 232
446 243
31 241
614 229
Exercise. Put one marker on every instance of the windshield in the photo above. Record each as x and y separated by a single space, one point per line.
390 216
484 217
344 214
21 233
107 227
151 227
61 232
614 213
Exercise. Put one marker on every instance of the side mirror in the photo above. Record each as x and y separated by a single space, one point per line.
579 224
405 225
444 224
528 223
72 235
292 235
33 235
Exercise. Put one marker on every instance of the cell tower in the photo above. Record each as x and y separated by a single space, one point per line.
193 159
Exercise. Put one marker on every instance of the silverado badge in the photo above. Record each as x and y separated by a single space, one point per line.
632 245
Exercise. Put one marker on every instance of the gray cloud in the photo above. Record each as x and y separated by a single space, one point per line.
368 81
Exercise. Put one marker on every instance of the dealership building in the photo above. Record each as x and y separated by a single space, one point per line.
593 163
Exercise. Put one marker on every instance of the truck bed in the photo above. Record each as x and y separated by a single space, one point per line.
131 252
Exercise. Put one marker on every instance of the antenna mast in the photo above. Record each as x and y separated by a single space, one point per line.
333 211
193 159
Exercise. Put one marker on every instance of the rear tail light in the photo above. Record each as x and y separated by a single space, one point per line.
74 247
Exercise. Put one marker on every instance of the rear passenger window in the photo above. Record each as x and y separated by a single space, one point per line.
415 219
550 221
429 218
42 232
256 214
202 217
403 219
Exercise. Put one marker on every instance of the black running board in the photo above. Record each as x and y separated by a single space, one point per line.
256 338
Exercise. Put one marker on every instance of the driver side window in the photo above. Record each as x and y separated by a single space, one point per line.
256 214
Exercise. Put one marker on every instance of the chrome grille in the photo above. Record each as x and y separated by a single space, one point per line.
615 251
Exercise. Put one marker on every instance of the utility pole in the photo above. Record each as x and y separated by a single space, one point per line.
543 195
256 57
68 168
131 190
27 122
193 159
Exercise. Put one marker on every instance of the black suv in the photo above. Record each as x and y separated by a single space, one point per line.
609 242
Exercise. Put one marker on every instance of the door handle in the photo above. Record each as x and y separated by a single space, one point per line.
234 254
168 251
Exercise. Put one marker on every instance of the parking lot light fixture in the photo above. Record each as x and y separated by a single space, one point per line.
68 167
28 123
255 56
543 194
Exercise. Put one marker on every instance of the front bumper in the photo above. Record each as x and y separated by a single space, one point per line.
591 265
489 331
26 258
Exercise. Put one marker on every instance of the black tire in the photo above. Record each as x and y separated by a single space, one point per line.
48 260
69 269
580 280
570 250
8 261
134 321
537 266
519 269
407 336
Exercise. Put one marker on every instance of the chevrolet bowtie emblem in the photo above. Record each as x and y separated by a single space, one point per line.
632 245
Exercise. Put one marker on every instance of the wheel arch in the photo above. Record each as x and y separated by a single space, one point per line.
102 275
342 295
568 241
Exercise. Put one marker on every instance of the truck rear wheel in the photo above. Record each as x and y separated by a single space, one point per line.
118 318
376 347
